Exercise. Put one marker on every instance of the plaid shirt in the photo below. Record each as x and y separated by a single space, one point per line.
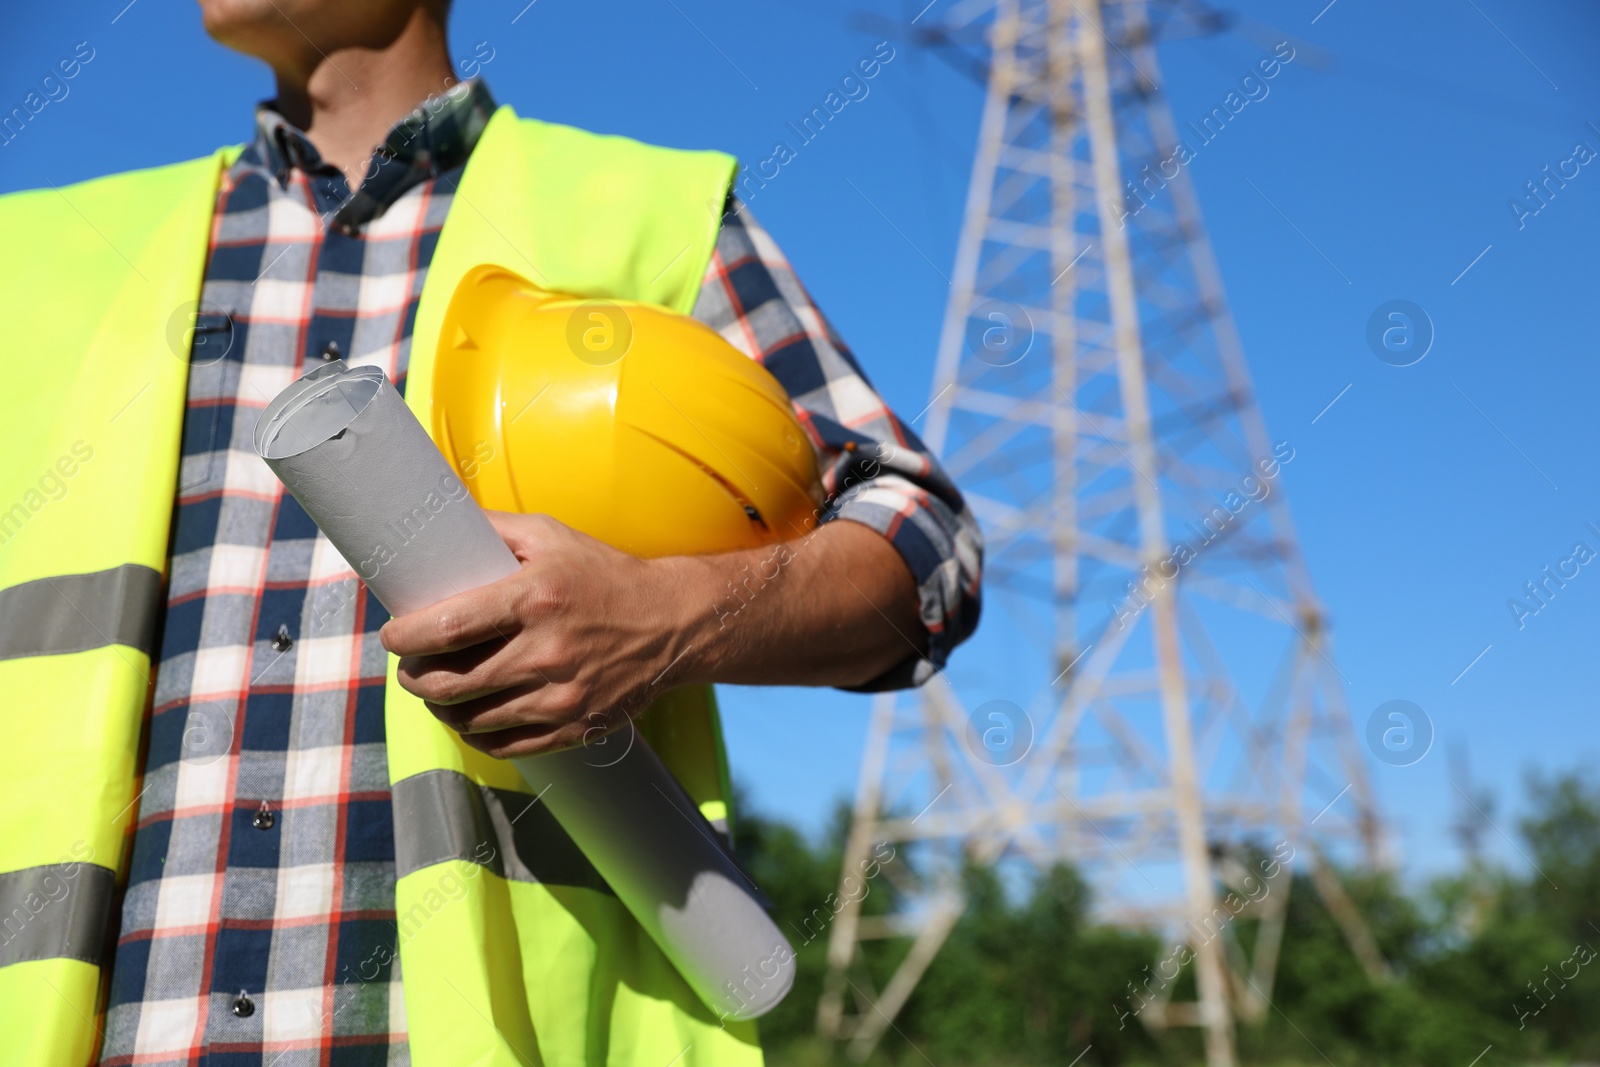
261 885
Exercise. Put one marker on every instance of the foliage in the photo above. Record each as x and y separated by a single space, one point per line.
1486 962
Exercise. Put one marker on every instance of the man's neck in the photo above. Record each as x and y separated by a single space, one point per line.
347 101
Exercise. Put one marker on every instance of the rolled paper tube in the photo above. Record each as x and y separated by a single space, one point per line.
346 446
356 458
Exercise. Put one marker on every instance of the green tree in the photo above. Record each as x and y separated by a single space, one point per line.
1483 959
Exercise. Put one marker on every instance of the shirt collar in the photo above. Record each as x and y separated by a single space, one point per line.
438 136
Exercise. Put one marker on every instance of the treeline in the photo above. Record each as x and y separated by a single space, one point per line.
1490 966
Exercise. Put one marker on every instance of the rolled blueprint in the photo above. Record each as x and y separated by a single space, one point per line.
355 457
345 444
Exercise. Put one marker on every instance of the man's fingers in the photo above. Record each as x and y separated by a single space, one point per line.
456 677
471 618
606 741
522 533
507 524
526 740
499 710
520 705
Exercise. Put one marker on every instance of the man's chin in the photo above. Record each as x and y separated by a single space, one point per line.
266 28
226 18
253 27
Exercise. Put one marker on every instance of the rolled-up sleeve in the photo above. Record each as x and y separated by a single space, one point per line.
876 471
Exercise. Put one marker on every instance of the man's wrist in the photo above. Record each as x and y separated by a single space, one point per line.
689 589
838 606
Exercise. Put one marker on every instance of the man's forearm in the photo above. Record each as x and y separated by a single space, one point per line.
836 607
585 636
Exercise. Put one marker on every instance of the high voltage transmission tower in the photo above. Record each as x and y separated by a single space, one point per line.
1181 721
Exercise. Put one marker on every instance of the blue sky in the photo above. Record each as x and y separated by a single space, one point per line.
1425 497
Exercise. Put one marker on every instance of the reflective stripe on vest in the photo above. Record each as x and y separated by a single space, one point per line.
77 612
444 815
57 911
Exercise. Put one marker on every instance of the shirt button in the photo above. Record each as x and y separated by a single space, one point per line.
281 641
331 352
243 1006
264 818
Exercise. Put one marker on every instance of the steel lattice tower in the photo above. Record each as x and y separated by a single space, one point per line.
1091 398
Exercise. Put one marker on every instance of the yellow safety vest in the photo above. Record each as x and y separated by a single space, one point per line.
512 950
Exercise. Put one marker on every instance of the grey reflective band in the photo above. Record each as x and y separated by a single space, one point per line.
443 815
78 612
58 911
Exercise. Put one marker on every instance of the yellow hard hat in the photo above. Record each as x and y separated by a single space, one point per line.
631 423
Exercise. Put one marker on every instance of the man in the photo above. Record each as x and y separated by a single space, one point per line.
267 809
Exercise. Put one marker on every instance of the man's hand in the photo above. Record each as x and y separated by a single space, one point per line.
557 653
584 637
